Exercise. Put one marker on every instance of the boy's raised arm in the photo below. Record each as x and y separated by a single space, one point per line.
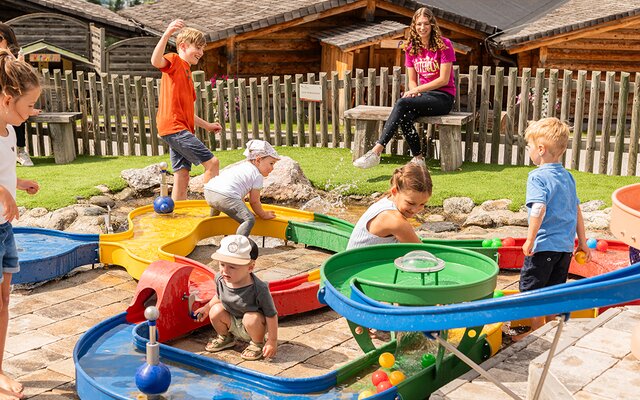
157 59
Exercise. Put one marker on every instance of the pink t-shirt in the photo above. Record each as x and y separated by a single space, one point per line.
427 65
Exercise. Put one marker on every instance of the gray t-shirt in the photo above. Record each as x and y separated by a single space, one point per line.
250 298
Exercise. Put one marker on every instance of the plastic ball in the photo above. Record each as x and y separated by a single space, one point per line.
508 242
498 293
592 243
602 245
396 377
379 376
487 243
163 165
427 360
386 360
382 386
163 205
153 379
581 257
496 242
365 394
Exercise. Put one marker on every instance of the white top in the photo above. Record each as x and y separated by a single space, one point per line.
236 181
361 236
8 177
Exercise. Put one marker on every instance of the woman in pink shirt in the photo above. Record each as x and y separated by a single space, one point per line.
429 61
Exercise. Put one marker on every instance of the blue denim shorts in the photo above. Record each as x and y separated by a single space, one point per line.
8 250
185 149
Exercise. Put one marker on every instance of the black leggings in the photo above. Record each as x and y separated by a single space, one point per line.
408 109
21 135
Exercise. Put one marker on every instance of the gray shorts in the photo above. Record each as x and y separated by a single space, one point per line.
234 208
185 149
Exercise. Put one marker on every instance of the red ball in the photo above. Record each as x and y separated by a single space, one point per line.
602 245
508 242
378 377
382 386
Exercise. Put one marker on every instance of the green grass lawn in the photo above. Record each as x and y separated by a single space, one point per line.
328 169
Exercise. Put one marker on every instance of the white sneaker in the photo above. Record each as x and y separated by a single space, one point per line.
419 161
371 159
23 158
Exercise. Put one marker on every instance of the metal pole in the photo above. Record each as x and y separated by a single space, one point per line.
552 350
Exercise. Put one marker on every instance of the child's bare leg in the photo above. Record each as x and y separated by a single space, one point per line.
7 395
256 326
211 169
220 319
180 184
8 385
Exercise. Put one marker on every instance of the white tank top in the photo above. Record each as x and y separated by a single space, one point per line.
8 165
361 236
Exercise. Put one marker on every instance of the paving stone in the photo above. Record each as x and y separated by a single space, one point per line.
42 381
27 307
607 341
576 366
624 322
288 333
25 322
63 347
64 367
30 361
105 312
320 340
65 310
622 381
71 326
290 354
585 395
335 357
303 370
477 390
62 294
106 296
28 341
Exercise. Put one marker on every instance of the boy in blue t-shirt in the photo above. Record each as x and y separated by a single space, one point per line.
554 211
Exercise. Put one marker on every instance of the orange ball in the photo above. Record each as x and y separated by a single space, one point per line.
396 377
581 257
386 360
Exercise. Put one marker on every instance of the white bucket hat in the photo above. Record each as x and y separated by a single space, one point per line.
258 149
236 249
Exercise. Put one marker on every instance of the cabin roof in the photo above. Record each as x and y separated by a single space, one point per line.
80 9
568 17
356 35
42 45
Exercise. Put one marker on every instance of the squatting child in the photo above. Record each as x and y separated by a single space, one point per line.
554 211
243 307
386 221
176 117
19 92
226 192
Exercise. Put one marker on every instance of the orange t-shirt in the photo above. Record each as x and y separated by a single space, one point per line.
176 107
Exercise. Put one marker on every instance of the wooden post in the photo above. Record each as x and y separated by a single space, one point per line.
578 119
288 109
471 107
68 92
497 115
142 126
335 110
151 110
567 84
266 118
607 116
539 94
594 102
233 127
312 113
553 93
484 113
512 90
82 100
524 114
242 95
299 113
621 122
221 116
253 97
95 114
634 133
57 81
324 111
210 114
128 105
347 104
115 89
277 107
106 113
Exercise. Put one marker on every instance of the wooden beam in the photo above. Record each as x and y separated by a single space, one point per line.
577 34
232 56
370 11
543 56
298 21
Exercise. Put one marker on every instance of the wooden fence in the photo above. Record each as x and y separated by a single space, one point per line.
119 112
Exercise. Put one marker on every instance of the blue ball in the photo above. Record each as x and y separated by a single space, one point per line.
592 243
163 205
153 379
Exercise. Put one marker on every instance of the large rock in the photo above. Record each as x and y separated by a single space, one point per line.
143 179
457 205
287 182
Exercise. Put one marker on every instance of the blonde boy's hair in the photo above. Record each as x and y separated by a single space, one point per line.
550 132
191 36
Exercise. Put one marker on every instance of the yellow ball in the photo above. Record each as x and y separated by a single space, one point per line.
581 257
386 360
365 394
396 377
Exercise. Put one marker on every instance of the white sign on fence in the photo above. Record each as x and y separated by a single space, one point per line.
309 92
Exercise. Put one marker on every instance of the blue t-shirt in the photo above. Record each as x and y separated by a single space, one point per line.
554 186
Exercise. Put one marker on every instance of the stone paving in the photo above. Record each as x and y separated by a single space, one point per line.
46 322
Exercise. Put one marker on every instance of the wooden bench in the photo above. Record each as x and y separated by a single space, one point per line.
368 120
61 129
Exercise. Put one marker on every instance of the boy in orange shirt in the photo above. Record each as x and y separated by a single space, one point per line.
176 111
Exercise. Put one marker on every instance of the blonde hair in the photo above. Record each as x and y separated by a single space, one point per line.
550 132
411 177
191 36
435 38
16 77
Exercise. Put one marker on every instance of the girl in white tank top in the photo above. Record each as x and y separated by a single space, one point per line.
386 221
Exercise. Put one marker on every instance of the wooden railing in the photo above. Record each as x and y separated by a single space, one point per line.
118 112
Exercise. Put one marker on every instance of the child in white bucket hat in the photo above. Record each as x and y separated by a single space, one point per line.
226 192
243 307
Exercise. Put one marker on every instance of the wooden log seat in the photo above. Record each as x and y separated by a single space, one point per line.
368 118
61 129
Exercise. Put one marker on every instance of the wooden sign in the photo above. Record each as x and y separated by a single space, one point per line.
309 92
44 57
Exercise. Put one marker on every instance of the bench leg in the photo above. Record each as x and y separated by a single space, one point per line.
450 148
365 138
62 142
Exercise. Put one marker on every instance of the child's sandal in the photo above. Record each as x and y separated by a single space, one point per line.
253 351
220 343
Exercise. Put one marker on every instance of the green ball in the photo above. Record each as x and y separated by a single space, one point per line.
427 360
496 242
498 293
487 243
